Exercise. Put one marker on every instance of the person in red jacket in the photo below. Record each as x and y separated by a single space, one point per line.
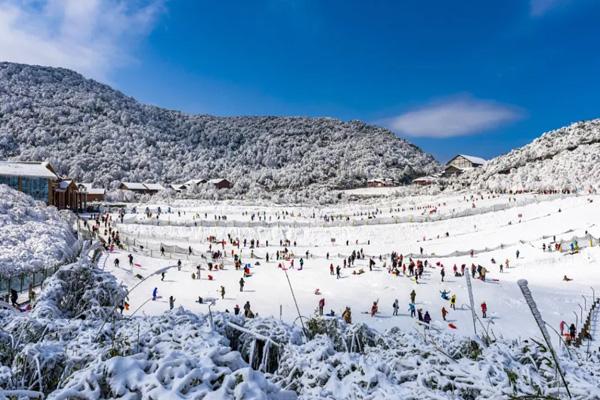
374 309
484 309
444 313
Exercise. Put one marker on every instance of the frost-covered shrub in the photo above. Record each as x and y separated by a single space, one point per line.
32 236
79 291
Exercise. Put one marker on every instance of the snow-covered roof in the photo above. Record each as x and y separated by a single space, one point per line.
134 185
29 169
63 185
473 159
195 181
177 186
426 179
217 180
154 186
380 180
92 190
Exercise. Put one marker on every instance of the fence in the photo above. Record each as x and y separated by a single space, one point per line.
339 223
21 281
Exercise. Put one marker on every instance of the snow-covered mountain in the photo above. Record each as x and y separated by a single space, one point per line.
95 133
563 159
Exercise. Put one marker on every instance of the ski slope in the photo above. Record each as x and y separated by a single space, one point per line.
522 223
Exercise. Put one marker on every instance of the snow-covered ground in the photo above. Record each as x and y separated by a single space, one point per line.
457 224
32 236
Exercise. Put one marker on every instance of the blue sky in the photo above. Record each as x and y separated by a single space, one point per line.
475 77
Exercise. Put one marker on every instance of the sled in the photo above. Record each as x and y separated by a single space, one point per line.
138 265
451 325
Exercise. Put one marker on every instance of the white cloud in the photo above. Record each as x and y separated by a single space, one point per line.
90 36
538 8
453 117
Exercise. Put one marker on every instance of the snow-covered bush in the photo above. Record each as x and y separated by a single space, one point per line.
32 236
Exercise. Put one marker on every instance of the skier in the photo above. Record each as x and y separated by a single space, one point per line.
222 292
116 263
321 305
572 331
453 302
442 273
189 250
130 256
427 317
171 302
242 284
444 313
412 309
178 265
331 269
154 293
14 295
247 310
563 325
374 309
301 264
337 272
484 309
445 294
518 253
413 296
162 276
395 306
347 315
236 310
162 251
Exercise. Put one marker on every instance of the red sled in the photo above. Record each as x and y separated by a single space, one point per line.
210 277
138 265
451 325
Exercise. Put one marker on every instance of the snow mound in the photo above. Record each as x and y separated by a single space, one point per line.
566 159
33 236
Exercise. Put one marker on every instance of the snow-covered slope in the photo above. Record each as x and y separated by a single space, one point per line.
56 352
564 159
95 133
32 236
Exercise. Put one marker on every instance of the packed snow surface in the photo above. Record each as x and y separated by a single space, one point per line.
447 228
54 352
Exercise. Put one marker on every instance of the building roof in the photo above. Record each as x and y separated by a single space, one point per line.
217 180
154 186
92 190
28 169
380 180
134 185
426 179
473 159
194 182
64 184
